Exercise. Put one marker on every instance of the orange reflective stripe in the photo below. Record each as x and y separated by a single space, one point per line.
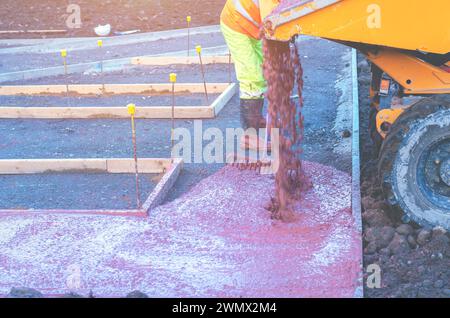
252 9
242 16
243 12
250 28
230 18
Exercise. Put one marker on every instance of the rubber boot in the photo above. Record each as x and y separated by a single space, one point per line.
251 113
251 117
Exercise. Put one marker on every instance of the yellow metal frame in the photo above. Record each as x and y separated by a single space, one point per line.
414 75
403 24
387 116
385 30
389 27
391 115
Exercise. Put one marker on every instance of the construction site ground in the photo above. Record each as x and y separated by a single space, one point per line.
123 15
324 122
205 239
414 262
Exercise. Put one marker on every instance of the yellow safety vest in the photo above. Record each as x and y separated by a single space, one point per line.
243 16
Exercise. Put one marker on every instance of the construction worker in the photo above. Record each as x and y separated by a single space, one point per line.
240 22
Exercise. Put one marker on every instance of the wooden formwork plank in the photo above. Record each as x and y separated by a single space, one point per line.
148 112
112 89
87 165
145 165
32 166
223 99
163 187
180 60
119 112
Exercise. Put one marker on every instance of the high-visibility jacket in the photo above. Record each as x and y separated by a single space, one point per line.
246 16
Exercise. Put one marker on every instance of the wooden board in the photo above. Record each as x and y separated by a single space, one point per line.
142 112
224 98
164 186
120 112
145 165
180 60
112 89
86 165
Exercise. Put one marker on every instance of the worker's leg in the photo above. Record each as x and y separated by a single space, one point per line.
248 58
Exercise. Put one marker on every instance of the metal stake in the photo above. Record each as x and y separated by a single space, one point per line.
132 111
198 48
188 20
100 45
64 57
229 67
173 80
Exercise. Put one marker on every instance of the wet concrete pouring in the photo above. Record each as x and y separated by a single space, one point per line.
283 71
206 240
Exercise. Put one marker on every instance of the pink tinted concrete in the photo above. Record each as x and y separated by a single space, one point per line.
216 240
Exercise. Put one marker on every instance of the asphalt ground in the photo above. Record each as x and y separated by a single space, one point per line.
326 110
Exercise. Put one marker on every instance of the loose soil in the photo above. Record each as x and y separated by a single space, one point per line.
414 262
123 15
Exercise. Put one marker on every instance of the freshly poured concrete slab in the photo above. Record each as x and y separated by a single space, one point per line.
217 240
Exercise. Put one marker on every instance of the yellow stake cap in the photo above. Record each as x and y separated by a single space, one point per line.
188 18
173 77
63 53
100 43
198 48
131 109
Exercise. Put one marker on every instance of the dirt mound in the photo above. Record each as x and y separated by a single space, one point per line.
414 262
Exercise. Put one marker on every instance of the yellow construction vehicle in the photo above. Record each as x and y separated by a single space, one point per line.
408 45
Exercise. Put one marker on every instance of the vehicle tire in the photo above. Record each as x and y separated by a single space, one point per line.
414 161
